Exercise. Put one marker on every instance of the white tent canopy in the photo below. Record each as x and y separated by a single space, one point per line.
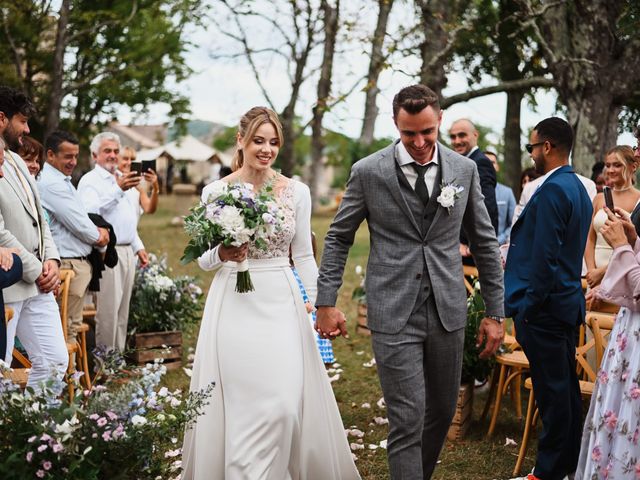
187 148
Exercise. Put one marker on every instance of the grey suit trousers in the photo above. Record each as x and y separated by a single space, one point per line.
419 370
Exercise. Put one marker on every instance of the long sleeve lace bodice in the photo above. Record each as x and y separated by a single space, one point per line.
295 202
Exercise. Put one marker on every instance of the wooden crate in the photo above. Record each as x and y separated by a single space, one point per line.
361 326
148 347
462 418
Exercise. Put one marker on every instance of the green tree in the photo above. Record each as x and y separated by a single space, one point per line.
87 59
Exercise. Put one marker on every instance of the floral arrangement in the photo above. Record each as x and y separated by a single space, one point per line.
160 303
232 215
359 293
474 367
449 193
126 427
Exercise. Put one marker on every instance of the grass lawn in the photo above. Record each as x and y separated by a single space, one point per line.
474 458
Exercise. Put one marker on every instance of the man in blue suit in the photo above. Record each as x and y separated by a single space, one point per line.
543 294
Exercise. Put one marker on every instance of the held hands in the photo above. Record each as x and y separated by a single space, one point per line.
128 180
49 279
331 323
6 257
492 332
464 250
618 229
233 254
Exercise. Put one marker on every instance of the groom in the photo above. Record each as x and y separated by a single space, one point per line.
415 195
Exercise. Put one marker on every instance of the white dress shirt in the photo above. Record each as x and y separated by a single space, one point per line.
73 232
101 194
405 160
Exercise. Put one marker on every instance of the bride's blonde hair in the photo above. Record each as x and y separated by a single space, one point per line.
249 124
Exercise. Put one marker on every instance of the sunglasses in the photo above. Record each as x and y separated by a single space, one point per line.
531 146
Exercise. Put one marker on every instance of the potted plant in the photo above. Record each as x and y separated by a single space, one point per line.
161 307
474 368
360 296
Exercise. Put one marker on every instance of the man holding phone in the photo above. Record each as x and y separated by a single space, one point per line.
105 191
543 294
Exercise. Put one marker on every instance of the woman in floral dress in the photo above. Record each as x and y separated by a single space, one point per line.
610 448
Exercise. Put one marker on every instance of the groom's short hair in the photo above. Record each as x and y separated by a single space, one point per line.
414 99
556 131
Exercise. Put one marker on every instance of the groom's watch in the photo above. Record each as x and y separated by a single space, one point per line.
498 319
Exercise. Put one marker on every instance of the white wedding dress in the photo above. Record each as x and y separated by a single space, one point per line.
272 415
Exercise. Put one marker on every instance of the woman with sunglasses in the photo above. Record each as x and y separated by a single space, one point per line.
620 170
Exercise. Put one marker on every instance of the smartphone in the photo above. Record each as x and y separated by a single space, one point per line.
148 165
136 167
608 198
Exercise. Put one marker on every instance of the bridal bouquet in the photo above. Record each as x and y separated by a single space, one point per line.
232 215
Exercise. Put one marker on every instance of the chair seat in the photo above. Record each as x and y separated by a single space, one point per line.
19 376
586 388
510 341
513 359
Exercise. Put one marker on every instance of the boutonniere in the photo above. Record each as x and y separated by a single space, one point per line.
449 193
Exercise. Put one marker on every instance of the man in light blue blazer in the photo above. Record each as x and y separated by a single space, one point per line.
543 294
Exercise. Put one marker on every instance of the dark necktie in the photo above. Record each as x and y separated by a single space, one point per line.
421 187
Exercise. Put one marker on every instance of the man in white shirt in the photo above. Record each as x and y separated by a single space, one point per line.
103 192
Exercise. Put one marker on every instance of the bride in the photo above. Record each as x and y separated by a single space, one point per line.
272 415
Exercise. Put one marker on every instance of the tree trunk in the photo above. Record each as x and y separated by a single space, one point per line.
512 131
436 50
55 96
376 64
331 24
594 120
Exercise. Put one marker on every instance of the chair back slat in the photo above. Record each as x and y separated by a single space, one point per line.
63 297
601 324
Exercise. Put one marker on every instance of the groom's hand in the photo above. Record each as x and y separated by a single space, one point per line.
331 323
492 332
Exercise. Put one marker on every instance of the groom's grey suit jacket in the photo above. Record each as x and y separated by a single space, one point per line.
403 250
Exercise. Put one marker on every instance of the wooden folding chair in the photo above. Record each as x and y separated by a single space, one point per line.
73 347
600 324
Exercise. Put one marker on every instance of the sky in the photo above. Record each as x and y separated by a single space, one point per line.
222 89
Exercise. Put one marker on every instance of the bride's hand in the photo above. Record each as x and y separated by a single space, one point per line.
233 254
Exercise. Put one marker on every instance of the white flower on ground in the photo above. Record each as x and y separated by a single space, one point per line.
359 270
357 446
365 405
381 403
383 444
138 420
380 421
370 363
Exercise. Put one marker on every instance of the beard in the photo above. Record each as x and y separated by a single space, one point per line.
12 138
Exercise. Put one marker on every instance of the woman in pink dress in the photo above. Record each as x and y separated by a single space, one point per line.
610 441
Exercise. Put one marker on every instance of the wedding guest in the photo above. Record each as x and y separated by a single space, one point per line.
464 140
635 215
273 414
32 152
528 174
72 230
506 201
148 203
598 176
612 427
543 294
620 170
103 191
10 273
36 319
530 186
